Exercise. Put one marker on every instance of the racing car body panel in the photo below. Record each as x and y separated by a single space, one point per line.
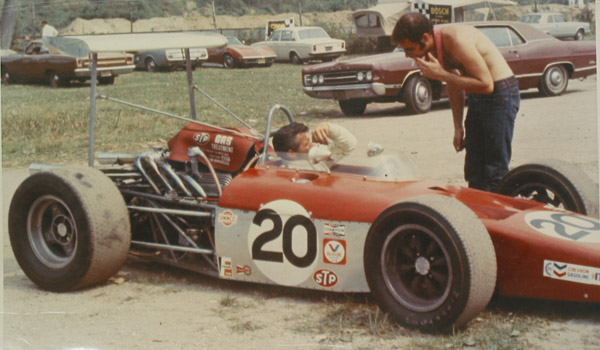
297 222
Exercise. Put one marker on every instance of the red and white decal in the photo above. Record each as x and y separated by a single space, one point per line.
201 138
335 230
571 272
334 251
243 270
226 268
564 225
283 242
227 218
325 278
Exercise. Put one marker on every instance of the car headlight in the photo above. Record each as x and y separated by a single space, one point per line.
321 79
315 79
369 75
360 76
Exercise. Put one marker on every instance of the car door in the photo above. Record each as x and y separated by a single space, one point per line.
30 68
287 43
562 29
275 43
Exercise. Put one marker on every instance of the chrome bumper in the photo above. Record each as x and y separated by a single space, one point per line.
105 71
346 92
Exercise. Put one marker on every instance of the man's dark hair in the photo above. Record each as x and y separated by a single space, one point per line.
44 22
285 140
412 26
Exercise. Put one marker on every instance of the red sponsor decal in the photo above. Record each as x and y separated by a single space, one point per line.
227 218
325 278
334 251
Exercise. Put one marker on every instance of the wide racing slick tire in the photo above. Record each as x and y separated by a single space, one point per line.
69 228
417 94
430 263
555 183
554 81
353 108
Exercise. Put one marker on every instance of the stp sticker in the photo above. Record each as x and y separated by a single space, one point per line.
201 138
567 226
334 251
227 218
325 278
283 242
571 272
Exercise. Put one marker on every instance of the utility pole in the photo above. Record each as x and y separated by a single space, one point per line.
214 15
300 11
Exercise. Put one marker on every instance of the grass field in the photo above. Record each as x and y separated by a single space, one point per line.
41 124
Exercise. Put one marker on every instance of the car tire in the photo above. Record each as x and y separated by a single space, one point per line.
554 81
294 58
6 77
430 263
417 94
579 35
554 183
54 80
69 228
106 80
150 65
228 61
353 108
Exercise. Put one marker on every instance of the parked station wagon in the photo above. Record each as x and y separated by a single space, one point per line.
537 59
299 44
557 25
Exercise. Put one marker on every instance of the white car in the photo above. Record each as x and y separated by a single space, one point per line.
557 25
298 44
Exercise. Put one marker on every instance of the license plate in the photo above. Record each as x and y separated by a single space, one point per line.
105 74
261 61
339 95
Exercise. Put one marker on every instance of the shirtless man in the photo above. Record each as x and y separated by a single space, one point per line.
468 61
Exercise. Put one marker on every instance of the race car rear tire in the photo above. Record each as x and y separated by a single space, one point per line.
69 228
430 263
553 182
353 108
417 94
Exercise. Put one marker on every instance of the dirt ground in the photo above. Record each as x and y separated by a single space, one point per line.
154 307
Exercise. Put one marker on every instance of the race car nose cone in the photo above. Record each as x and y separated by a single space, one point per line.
422 266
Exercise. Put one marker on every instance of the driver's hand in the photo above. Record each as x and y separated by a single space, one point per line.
459 139
321 133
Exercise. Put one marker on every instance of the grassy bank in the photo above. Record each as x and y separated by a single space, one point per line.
41 124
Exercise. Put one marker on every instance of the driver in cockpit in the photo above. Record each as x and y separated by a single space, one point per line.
327 144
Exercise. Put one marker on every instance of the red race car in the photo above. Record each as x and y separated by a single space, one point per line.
219 201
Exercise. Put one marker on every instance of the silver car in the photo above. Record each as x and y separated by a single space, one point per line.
299 44
557 25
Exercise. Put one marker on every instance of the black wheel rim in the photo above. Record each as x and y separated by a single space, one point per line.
540 192
52 231
416 268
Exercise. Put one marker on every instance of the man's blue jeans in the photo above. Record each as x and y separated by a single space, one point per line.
488 134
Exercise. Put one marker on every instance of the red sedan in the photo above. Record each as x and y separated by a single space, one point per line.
537 59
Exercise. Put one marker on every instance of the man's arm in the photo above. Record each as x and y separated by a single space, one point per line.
343 139
457 103
460 42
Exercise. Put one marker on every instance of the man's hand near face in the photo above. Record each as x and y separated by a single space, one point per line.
321 133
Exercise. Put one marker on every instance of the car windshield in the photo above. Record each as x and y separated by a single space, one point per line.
312 33
530 19
71 46
387 166
233 41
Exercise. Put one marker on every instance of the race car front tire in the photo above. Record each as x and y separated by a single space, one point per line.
553 182
69 228
430 263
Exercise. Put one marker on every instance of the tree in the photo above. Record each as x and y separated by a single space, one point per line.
7 23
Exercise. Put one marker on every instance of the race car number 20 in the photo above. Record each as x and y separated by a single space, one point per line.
283 242
565 226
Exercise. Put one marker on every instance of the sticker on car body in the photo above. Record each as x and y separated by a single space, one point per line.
565 226
283 242
572 272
